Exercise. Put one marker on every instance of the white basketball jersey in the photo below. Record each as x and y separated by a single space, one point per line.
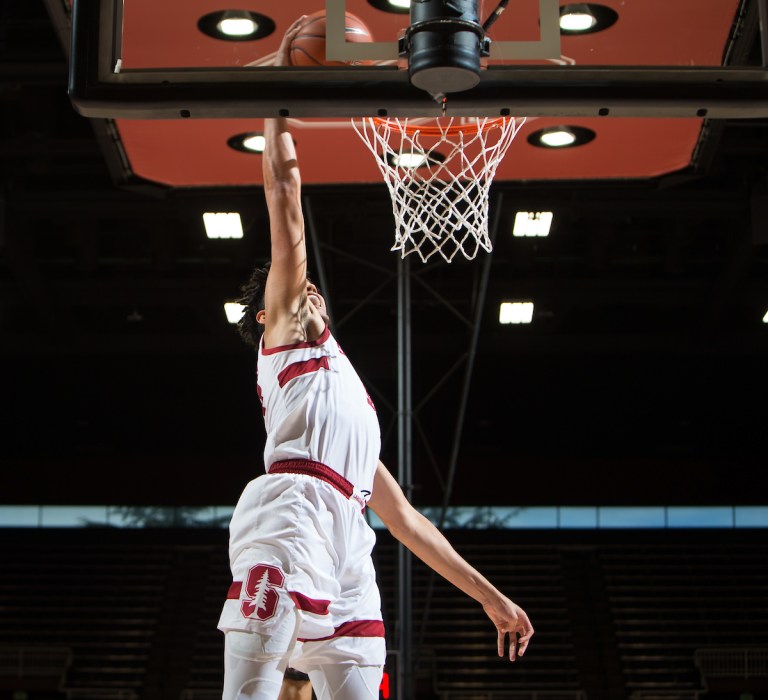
315 407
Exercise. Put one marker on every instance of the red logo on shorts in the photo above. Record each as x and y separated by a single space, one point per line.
260 589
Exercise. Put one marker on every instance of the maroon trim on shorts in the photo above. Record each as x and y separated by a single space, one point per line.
301 601
313 605
296 346
354 628
319 470
298 369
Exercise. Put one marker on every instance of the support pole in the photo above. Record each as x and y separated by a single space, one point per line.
467 385
405 477
322 279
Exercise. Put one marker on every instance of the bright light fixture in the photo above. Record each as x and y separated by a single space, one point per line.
237 26
765 318
558 139
255 143
532 223
400 3
516 312
234 311
410 160
223 225
577 21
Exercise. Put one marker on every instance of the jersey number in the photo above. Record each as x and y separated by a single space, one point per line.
260 589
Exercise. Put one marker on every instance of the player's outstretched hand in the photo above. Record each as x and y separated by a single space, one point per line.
510 619
283 55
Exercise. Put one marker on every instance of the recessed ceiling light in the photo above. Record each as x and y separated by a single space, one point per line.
516 312
586 18
399 7
234 311
577 21
410 160
236 25
415 159
558 138
251 142
223 225
532 223
561 137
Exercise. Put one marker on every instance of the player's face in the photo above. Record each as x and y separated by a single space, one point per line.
317 301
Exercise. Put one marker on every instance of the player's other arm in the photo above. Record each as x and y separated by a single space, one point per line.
417 533
286 293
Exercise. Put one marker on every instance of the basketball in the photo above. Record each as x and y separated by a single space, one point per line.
308 47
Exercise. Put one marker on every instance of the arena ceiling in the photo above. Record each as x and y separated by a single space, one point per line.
640 380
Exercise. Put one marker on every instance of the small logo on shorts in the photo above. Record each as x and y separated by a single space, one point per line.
260 591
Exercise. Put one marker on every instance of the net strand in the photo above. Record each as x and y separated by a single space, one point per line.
440 207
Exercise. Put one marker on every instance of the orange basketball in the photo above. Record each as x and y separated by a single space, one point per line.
308 47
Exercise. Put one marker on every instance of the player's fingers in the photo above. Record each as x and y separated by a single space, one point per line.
500 640
512 646
296 24
525 637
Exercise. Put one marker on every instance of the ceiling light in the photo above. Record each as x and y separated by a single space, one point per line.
411 160
558 139
234 311
399 7
223 225
765 318
236 25
516 312
577 21
586 18
532 223
561 137
414 159
255 143
252 142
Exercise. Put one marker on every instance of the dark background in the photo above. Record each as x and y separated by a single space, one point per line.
641 381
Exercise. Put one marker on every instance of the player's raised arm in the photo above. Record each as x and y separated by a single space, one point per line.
417 533
286 289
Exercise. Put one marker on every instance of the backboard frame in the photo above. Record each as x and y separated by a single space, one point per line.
99 89
338 49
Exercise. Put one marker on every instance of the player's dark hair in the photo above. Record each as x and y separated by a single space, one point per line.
252 298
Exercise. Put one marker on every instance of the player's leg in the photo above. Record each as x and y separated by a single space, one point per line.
346 681
255 664
249 672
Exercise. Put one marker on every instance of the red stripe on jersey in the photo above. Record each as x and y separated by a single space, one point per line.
317 469
313 605
296 346
234 590
354 628
297 369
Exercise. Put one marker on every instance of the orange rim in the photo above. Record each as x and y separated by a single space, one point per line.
428 130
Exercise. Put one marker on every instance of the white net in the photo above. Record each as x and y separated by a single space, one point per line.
439 173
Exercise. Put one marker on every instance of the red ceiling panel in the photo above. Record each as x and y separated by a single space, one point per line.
195 152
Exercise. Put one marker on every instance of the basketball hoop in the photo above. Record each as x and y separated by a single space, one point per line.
439 173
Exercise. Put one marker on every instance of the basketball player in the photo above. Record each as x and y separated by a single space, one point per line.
304 593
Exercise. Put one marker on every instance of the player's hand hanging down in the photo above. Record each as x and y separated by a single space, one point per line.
510 619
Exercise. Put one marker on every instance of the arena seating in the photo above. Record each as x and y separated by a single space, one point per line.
131 614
